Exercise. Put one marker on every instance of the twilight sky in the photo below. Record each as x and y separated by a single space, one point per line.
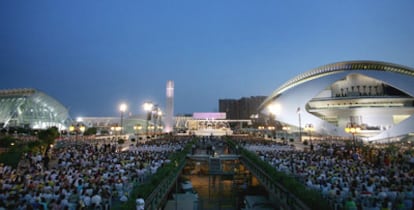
91 55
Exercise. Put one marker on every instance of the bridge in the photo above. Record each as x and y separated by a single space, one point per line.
284 199
206 157
215 159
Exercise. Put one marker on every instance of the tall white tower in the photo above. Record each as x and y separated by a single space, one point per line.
169 112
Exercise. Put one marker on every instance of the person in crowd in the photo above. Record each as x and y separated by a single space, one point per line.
81 174
339 173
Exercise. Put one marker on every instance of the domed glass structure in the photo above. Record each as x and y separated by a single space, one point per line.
31 108
375 96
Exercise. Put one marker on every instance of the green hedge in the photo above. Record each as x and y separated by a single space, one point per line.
313 199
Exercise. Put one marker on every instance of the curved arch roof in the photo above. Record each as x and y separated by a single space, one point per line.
363 65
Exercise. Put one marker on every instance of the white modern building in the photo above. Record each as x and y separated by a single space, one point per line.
376 97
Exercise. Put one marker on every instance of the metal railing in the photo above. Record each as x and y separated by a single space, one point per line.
160 193
277 192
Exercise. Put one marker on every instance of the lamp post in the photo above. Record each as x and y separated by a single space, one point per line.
151 128
309 128
156 113
72 129
112 133
286 129
300 126
79 128
159 115
137 128
122 108
115 131
272 130
260 128
119 130
353 128
82 130
148 108
274 109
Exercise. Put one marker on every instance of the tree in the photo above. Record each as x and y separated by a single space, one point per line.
49 135
90 131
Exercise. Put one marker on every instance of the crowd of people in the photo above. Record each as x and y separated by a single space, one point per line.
344 177
80 175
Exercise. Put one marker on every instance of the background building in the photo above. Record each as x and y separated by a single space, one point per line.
243 108
30 108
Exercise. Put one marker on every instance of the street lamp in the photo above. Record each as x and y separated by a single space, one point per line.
272 130
122 108
76 129
300 126
116 129
82 130
148 108
71 130
154 114
353 128
160 127
137 128
151 127
286 129
159 115
274 110
260 128
309 128
113 132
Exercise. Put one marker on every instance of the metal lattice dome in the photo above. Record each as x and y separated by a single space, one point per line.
31 108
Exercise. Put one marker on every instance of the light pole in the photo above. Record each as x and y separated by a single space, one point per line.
82 130
272 130
274 109
116 129
137 128
300 126
113 132
261 128
353 128
151 128
309 128
158 124
148 108
122 108
78 128
72 129
286 129
154 114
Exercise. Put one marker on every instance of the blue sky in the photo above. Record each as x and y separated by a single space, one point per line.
93 55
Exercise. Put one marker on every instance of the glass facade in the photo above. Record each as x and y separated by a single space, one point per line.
31 108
